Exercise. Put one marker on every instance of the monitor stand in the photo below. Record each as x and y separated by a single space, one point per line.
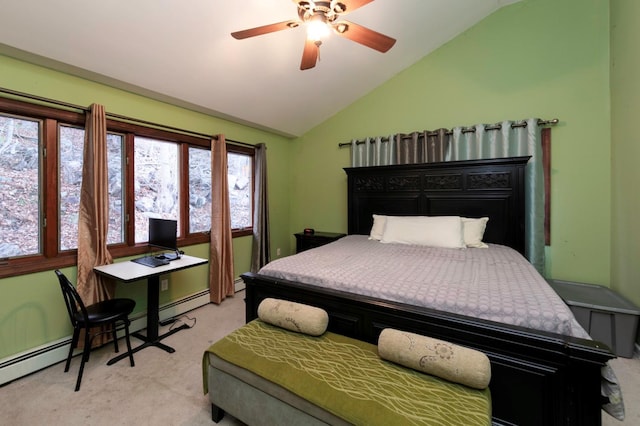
172 256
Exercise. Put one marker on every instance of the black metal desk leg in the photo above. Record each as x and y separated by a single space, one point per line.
153 308
153 319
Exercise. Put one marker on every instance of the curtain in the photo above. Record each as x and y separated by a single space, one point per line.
378 151
511 139
93 217
417 147
260 249
221 249
421 147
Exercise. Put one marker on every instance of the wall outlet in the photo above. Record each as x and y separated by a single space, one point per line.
164 284
278 251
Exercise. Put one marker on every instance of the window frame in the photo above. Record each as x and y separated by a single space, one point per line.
51 257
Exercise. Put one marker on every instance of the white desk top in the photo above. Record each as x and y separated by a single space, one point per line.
128 271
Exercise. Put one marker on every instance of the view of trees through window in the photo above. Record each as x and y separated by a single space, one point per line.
157 184
240 189
19 186
199 189
239 176
70 181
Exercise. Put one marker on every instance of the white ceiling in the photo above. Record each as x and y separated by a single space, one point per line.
181 51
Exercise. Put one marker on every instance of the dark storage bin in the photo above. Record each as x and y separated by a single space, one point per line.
607 316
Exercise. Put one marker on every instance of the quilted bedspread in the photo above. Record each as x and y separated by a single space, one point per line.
495 283
347 378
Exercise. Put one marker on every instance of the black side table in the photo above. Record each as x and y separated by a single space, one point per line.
317 239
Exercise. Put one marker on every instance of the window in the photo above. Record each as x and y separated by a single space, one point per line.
240 180
20 180
156 183
240 175
71 158
151 173
199 190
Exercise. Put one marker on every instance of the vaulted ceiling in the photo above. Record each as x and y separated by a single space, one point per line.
181 51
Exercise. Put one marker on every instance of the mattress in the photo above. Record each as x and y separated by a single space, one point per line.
495 283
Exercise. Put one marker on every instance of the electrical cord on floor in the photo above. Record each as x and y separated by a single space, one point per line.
177 322
167 321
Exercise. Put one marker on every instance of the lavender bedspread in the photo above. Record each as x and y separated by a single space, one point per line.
496 283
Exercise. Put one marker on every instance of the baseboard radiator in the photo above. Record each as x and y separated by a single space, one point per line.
36 359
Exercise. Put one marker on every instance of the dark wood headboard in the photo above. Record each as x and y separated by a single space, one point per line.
475 188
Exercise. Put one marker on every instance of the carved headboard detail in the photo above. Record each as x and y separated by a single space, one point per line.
475 188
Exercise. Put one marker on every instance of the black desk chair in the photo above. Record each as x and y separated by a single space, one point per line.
114 312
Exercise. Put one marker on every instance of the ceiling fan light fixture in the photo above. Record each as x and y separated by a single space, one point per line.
341 27
317 28
306 5
339 8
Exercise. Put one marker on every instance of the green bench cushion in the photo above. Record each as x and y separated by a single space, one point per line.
346 377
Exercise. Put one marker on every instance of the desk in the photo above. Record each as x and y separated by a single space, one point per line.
129 272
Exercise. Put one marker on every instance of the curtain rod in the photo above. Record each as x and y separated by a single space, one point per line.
117 117
551 122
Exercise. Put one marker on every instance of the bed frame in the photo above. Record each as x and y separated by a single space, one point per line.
538 378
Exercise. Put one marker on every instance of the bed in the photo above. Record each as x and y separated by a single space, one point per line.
540 376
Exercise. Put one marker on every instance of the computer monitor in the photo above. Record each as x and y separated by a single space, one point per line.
163 234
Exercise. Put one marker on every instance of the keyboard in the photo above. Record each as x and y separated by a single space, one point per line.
150 261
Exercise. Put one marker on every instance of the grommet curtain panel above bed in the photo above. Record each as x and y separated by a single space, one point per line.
93 217
511 139
421 147
260 249
372 152
417 147
221 282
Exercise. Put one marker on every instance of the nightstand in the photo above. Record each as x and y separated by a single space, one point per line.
317 239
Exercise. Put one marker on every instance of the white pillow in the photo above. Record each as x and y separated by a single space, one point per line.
434 231
474 231
378 227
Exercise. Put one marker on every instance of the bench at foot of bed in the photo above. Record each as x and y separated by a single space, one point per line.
262 374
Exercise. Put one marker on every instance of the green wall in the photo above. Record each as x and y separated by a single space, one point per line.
625 105
537 58
31 307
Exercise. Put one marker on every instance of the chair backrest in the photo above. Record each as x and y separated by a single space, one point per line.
72 300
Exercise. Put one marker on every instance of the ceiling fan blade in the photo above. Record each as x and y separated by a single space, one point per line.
346 6
265 29
364 36
309 55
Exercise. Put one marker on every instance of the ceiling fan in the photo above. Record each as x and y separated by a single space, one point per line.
321 17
